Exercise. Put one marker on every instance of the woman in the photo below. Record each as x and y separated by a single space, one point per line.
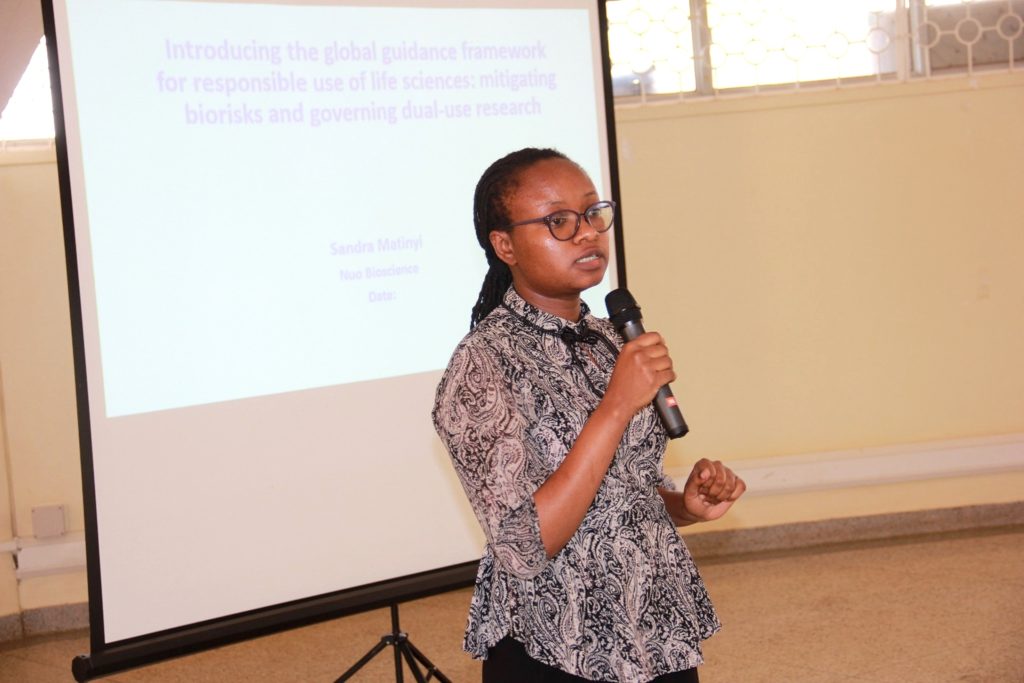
548 421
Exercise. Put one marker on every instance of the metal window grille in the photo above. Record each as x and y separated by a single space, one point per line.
700 48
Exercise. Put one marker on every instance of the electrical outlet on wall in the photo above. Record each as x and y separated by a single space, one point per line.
48 521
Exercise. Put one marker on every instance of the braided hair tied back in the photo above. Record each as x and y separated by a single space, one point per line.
490 212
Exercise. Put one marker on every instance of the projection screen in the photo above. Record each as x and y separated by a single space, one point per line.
267 211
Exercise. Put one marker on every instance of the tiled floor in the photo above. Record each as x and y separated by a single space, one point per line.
931 609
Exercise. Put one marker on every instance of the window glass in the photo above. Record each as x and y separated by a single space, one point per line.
662 47
29 113
786 41
651 47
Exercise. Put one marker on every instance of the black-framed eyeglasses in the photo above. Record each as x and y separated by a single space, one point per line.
565 224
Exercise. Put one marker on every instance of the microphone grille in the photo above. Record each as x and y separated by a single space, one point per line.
622 307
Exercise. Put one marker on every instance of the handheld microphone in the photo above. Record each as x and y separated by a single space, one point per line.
629 323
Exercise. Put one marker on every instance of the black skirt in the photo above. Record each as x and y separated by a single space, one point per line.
508 662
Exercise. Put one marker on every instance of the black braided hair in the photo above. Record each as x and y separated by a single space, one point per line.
490 212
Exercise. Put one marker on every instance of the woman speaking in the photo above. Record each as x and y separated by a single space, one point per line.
547 417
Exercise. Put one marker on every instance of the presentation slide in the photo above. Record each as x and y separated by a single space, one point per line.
290 186
276 258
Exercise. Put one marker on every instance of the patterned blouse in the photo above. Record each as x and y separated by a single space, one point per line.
623 600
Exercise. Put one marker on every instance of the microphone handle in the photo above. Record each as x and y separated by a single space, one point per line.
664 402
668 410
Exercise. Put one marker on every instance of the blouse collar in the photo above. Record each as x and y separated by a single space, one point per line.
541 319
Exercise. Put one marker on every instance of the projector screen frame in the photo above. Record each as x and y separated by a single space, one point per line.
108 658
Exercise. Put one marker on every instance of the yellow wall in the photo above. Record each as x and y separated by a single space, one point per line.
8 584
833 270
38 387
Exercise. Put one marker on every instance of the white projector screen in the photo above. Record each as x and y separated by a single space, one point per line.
268 209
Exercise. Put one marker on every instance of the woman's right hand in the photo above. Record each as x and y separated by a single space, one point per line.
643 367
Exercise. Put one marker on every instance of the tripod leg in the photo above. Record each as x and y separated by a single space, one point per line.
431 669
411 661
403 648
384 642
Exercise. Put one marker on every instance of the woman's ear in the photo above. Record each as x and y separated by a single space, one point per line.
501 240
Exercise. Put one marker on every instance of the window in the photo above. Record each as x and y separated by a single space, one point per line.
702 47
29 113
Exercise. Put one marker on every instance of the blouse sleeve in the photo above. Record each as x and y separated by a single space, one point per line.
477 418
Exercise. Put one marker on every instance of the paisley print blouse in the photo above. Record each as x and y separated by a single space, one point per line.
623 600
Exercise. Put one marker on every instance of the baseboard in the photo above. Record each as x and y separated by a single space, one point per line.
55 619
44 620
10 627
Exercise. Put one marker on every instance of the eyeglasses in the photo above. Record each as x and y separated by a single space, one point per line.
565 224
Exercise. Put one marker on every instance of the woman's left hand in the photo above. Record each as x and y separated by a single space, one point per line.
710 490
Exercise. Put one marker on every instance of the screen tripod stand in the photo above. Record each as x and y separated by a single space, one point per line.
403 648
